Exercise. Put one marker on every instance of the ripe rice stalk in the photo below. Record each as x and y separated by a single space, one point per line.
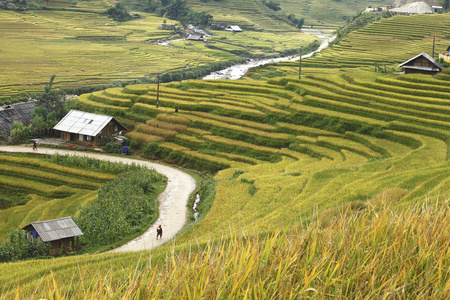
165 125
164 133
189 138
143 137
174 119
226 141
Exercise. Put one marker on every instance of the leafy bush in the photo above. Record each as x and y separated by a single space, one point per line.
124 206
20 247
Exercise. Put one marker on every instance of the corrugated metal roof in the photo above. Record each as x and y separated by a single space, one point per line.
57 229
428 57
16 112
83 123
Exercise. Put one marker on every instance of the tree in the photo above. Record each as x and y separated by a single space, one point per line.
52 100
273 5
19 130
445 4
119 12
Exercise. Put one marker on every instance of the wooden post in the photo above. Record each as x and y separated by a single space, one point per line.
157 94
300 65
434 39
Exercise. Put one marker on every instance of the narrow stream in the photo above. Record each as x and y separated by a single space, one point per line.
237 71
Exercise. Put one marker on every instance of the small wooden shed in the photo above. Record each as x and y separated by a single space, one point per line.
195 37
59 233
422 63
87 127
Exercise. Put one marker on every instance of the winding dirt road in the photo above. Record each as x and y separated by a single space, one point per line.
172 202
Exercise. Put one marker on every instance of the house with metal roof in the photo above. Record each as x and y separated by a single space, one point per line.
87 127
195 37
422 63
16 112
59 233
233 28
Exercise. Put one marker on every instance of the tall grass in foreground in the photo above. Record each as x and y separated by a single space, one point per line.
374 253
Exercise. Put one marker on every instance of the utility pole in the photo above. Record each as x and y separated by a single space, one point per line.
157 94
434 39
300 65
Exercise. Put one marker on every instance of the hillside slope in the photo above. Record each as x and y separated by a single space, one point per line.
332 185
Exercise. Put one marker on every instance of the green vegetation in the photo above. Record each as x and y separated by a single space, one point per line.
335 185
88 51
37 188
124 206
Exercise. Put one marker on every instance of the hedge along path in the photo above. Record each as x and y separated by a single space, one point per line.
172 202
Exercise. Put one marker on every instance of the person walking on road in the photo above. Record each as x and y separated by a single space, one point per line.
159 232
34 145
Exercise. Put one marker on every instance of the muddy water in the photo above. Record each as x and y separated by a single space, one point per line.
237 71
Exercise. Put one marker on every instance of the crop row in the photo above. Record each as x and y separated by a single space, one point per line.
247 130
84 100
38 187
43 165
47 176
101 97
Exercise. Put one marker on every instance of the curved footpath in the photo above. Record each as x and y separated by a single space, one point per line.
172 202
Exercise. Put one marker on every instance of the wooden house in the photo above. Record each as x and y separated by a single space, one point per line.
87 127
59 233
16 112
422 63
195 37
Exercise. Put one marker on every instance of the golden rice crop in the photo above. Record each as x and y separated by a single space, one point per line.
102 97
246 123
152 108
174 147
174 119
233 108
366 254
189 138
164 133
84 99
240 158
14 169
350 145
165 125
307 139
32 185
230 142
220 124
42 165
330 113
139 89
306 129
143 138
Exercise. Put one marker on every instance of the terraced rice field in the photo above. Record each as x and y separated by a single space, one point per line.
299 143
52 191
385 44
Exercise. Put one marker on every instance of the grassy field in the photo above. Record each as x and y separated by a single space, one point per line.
335 185
86 49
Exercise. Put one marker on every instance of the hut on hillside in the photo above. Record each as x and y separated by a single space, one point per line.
195 37
16 112
422 63
59 233
233 28
87 127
